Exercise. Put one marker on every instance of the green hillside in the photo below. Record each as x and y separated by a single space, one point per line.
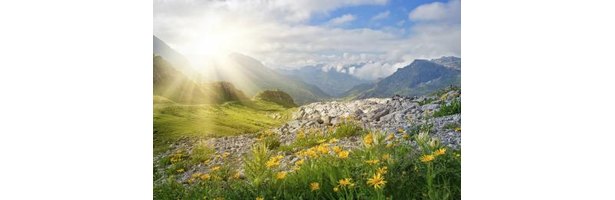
276 96
173 121
175 86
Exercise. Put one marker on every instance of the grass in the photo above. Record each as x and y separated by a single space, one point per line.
449 109
383 168
310 138
174 121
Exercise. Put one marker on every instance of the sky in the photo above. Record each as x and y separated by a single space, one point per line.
378 35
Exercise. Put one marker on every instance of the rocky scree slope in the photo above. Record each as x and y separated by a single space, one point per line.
374 114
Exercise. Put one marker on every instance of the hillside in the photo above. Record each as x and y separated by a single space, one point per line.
176 87
331 81
327 147
247 74
251 76
419 78
276 96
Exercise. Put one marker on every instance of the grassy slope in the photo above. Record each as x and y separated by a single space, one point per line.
173 121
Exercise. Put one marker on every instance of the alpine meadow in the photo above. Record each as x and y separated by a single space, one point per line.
307 99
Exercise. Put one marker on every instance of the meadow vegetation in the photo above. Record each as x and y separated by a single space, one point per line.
384 166
175 121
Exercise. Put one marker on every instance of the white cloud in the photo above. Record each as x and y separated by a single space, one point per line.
342 19
382 15
437 11
277 33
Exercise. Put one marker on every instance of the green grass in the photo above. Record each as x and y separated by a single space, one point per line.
449 109
407 176
174 121
306 139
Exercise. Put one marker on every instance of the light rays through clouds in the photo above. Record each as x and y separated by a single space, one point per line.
283 34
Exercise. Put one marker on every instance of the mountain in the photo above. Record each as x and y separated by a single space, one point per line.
177 60
251 76
419 78
276 96
175 86
449 61
246 73
357 90
331 81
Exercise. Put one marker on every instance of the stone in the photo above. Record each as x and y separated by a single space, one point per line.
430 107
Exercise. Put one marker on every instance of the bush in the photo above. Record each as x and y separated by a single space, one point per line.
449 109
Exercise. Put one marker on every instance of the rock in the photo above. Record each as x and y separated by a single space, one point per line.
326 120
335 120
430 106
376 117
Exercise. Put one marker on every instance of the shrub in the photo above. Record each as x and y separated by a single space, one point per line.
449 109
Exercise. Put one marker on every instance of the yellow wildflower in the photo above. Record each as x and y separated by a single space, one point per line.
372 162
336 189
377 181
401 130
382 170
300 135
314 186
343 154
386 157
440 151
205 177
389 145
280 175
322 149
427 158
406 136
390 137
311 153
345 182
180 170
195 175
458 129
321 141
333 140
299 162
368 139
260 198
274 161
237 175
216 168
225 154
337 149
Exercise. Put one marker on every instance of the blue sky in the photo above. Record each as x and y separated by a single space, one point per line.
397 11
380 36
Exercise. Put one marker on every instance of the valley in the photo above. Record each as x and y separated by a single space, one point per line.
244 131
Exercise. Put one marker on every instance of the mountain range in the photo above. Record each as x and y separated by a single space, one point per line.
247 74
418 78
239 76
330 81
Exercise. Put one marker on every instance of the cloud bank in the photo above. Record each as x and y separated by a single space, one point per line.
281 35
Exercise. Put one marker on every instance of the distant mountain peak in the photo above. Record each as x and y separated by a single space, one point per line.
448 61
418 78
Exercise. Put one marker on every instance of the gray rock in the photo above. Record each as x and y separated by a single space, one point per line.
430 107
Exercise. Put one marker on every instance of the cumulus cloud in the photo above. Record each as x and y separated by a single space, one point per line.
382 15
342 19
437 11
279 34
